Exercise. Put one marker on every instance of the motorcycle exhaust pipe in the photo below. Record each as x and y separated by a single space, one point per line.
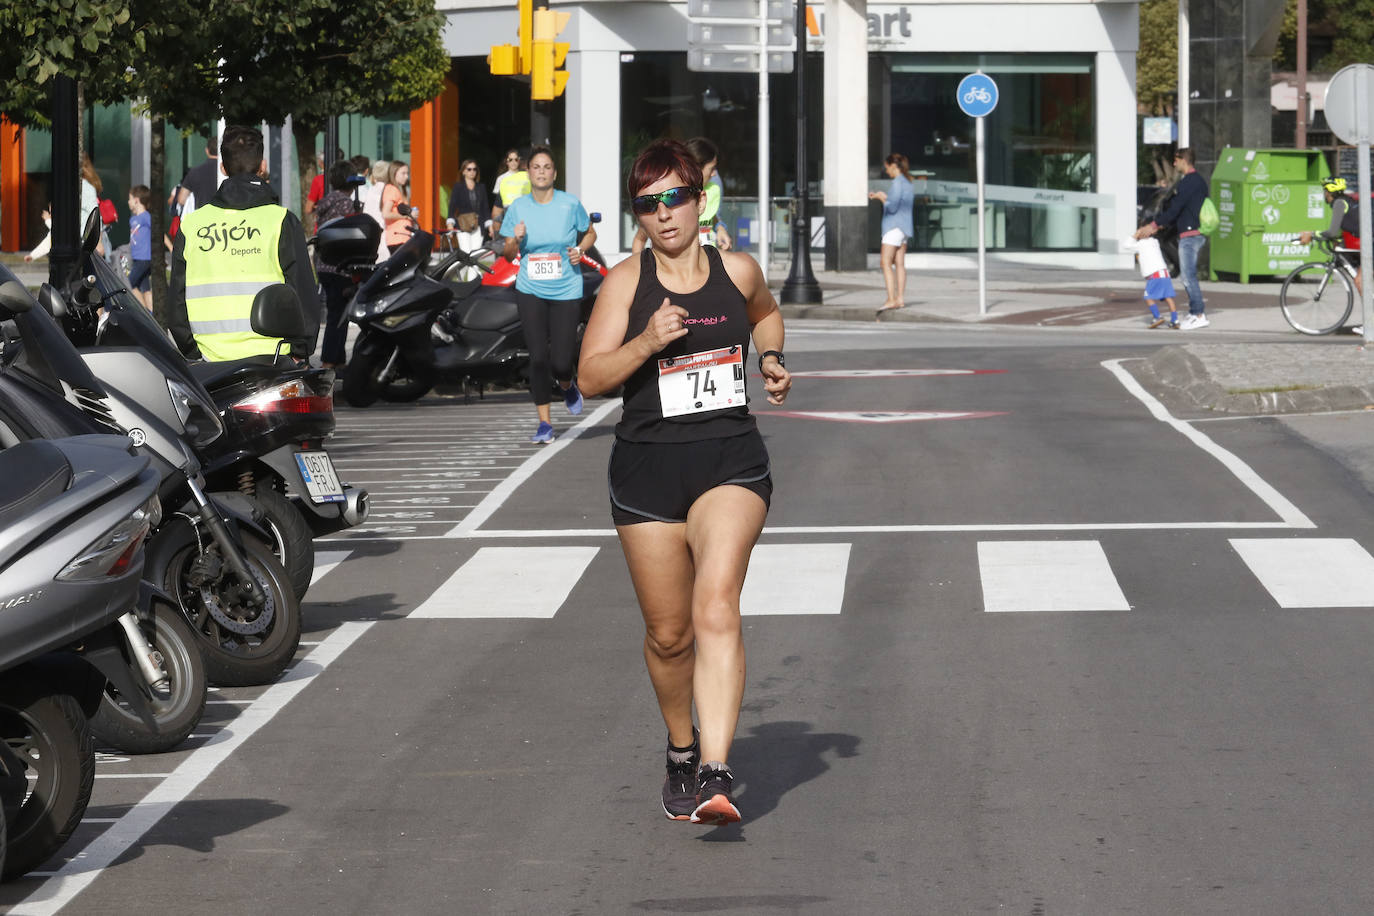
356 506
143 653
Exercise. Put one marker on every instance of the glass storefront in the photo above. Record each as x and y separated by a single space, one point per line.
1040 136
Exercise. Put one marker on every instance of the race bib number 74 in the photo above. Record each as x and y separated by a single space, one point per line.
709 380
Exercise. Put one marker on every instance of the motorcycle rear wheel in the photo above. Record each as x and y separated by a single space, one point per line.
48 733
293 541
242 646
177 707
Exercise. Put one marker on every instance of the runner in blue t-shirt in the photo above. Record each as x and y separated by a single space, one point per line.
549 230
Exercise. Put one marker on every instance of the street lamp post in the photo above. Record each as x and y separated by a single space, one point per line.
66 198
800 287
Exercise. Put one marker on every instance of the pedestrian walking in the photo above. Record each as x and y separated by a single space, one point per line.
467 205
897 201
395 194
1159 288
549 230
1184 214
141 244
372 203
689 477
334 283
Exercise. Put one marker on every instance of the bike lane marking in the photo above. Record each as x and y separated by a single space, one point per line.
88 863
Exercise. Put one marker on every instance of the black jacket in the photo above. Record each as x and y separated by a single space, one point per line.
1183 212
461 200
244 192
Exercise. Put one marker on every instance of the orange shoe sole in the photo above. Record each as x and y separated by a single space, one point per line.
715 811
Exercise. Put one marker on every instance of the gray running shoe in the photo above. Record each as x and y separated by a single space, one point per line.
680 786
714 804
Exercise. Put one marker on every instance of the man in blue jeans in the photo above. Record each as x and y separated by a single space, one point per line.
1183 214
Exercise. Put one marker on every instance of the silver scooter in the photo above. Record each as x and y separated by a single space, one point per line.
74 514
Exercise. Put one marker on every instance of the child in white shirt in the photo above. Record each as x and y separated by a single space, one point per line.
1158 287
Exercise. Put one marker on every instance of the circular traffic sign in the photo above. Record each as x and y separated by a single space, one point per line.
976 95
1350 103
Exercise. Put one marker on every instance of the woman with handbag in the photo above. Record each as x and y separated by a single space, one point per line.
466 204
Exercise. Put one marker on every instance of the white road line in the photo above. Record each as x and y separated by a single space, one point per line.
509 582
100 775
497 497
1311 572
1271 497
795 579
326 561
1047 576
78 874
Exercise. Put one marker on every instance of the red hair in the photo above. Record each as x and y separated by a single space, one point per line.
660 158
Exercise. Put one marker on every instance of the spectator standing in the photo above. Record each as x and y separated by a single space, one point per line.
549 229
395 194
467 203
91 190
372 203
200 181
335 285
1184 215
514 184
141 244
897 203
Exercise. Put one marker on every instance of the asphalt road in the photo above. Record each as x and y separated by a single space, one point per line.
1046 649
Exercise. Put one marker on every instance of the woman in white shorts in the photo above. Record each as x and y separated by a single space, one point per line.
897 202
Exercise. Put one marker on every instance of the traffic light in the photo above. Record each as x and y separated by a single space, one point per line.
546 78
510 60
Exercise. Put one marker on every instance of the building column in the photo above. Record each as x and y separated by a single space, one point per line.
140 146
592 171
1115 143
846 134
13 187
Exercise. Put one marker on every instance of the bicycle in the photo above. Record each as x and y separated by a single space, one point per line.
1310 301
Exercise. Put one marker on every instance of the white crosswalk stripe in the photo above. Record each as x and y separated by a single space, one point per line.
795 579
1311 572
1048 576
326 561
510 582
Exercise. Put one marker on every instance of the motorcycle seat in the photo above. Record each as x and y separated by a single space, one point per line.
213 374
32 473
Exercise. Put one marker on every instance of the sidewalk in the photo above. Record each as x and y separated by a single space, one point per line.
1249 361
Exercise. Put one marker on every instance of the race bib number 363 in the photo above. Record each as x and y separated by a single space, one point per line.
709 380
545 266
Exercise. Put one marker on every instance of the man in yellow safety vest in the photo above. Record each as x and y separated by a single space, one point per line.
230 248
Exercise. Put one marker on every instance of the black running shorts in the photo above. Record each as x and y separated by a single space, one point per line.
659 481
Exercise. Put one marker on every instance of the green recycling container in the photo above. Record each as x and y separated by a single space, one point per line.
1265 197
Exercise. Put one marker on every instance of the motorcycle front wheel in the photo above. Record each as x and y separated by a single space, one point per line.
48 733
178 701
371 374
242 645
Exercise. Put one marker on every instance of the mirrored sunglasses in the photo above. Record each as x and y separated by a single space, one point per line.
671 198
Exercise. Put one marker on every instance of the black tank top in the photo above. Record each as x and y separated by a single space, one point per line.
717 318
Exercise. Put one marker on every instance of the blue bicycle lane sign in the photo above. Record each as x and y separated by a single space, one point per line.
977 95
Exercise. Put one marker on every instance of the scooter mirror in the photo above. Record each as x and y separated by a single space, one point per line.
14 298
52 303
90 235
596 217
277 312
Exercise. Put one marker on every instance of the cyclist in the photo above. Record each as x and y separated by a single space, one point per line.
1344 228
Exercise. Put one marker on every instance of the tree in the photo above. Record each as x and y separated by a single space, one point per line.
1156 81
368 57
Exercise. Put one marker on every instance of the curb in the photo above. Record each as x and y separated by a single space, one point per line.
850 313
1183 378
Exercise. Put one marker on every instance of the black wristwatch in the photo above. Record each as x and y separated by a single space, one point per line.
774 353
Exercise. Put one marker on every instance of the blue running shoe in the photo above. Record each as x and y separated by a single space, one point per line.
544 433
573 398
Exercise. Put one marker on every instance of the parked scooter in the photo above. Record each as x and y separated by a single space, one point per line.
227 583
162 700
73 517
417 331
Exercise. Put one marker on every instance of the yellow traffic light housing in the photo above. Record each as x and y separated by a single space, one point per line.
547 79
512 60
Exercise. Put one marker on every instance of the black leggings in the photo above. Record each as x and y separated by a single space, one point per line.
550 327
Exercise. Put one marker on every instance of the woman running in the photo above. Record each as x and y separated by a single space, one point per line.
689 474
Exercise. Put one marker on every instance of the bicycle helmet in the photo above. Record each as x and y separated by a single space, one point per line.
1333 185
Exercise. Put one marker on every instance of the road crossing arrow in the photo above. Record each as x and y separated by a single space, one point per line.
882 416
